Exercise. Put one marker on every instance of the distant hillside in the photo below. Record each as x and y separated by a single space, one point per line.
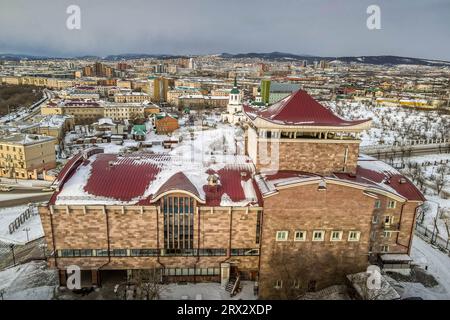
126 56
275 56
376 60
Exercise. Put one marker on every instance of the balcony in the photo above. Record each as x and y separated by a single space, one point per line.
391 226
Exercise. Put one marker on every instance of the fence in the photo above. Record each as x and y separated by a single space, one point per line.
15 254
433 237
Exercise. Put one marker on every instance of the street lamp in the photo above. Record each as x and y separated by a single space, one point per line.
13 255
27 230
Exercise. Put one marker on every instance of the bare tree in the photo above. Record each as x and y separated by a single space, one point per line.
441 179
297 270
148 283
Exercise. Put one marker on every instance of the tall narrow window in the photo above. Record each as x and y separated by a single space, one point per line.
258 226
178 222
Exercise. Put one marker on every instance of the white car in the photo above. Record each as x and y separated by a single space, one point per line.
6 188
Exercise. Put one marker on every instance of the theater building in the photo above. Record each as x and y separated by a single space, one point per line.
297 212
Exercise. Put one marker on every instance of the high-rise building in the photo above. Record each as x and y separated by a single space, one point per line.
265 90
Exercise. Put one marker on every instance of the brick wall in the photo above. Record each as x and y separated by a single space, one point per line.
313 157
307 209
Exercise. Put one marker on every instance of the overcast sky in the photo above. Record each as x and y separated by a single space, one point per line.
317 27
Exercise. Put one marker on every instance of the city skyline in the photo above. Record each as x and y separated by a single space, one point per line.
324 28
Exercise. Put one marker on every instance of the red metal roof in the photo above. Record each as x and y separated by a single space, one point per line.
178 181
121 178
402 185
301 109
230 184
128 177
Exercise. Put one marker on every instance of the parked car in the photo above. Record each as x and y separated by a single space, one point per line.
6 188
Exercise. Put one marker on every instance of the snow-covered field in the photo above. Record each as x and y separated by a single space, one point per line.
391 124
30 281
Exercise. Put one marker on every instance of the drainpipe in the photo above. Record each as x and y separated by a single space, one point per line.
230 233
157 238
412 228
53 240
108 241
198 244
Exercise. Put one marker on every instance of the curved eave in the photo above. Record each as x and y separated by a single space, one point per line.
190 194
356 185
264 123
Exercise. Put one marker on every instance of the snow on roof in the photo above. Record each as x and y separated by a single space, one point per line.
395 257
105 121
99 179
300 108
384 292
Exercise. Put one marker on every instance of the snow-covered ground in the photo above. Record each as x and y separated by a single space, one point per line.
438 265
30 281
205 291
8 215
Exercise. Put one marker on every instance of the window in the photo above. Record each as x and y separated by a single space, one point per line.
388 220
384 248
318 235
387 234
296 284
354 235
244 252
375 219
278 284
119 252
377 204
391 204
282 235
258 227
336 236
300 236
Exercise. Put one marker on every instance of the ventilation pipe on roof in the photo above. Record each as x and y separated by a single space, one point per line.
322 185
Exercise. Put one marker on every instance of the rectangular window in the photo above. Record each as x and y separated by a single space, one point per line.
101 253
384 248
258 226
354 235
336 236
278 284
119 252
387 234
388 220
377 204
300 235
282 235
391 204
318 235
374 219
296 284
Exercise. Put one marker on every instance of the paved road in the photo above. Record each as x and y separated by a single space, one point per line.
9 199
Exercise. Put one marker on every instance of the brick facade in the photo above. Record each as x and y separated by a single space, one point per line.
317 157
305 208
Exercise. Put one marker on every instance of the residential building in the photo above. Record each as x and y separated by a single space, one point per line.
24 156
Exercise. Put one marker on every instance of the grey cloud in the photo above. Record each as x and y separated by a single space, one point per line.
321 27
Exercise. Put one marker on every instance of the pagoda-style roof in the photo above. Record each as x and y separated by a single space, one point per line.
300 109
